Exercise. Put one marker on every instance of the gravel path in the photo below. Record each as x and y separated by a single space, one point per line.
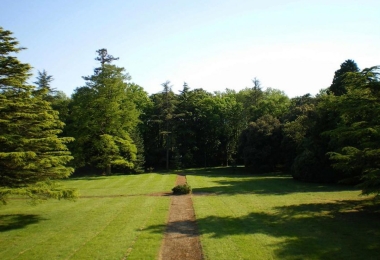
181 239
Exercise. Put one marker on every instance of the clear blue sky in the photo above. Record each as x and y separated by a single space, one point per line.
294 46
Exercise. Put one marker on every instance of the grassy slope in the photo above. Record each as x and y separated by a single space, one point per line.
109 227
274 217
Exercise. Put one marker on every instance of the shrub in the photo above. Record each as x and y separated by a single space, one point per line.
181 189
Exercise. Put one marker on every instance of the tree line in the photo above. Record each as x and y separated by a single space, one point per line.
111 124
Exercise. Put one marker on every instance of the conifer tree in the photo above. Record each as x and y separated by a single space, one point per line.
31 153
338 86
358 132
104 118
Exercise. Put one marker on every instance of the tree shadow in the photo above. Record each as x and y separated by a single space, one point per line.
218 171
268 184
87 178
341 230
184 228
17 221
338 230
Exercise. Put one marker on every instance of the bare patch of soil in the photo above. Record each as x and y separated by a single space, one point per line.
181 239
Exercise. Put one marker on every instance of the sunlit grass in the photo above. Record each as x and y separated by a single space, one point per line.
99 225
274 217
265 216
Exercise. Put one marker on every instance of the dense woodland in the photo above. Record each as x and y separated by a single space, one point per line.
112 125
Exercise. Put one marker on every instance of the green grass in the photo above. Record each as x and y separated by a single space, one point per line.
108 222
240 216
274 217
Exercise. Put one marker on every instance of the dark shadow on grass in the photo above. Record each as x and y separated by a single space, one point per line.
267 185
186 228
218 171
340 230
87 178
17 221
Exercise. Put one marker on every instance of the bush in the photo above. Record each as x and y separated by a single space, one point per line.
181 189
309 168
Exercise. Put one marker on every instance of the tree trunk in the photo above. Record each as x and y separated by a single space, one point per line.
108 169
167 158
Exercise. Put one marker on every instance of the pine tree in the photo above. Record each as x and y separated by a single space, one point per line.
31 153
104 118
338 86
358 133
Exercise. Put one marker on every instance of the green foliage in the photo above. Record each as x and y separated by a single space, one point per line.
202 128
160 127
260 144
357 135
31 152
181 189
104 116
306 167
338 86
304 147
40 191
43 86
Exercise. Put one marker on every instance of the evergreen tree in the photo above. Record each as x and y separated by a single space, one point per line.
31 153
43 85
260 144
189 126
104 118
142 102
338 87
357 135
165 105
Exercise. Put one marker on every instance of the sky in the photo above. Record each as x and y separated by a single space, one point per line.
293 46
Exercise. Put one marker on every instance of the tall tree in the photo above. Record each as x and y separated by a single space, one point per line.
357 135
231 125
104 118
142 102
43 83
190 126
311 163
163 119
338 87
31 153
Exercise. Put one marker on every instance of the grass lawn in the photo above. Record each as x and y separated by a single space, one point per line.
272 216
268 216
107 222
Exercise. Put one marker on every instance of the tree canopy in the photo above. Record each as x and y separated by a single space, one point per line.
104 117
31 152
118 127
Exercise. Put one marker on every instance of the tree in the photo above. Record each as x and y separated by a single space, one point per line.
357 135
231 125
297 125
250 99
189 126
43 85
142 103
338 87
311 163
260 144
104 118
162 120
31 153
58 99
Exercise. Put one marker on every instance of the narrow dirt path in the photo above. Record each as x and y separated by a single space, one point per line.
181 239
